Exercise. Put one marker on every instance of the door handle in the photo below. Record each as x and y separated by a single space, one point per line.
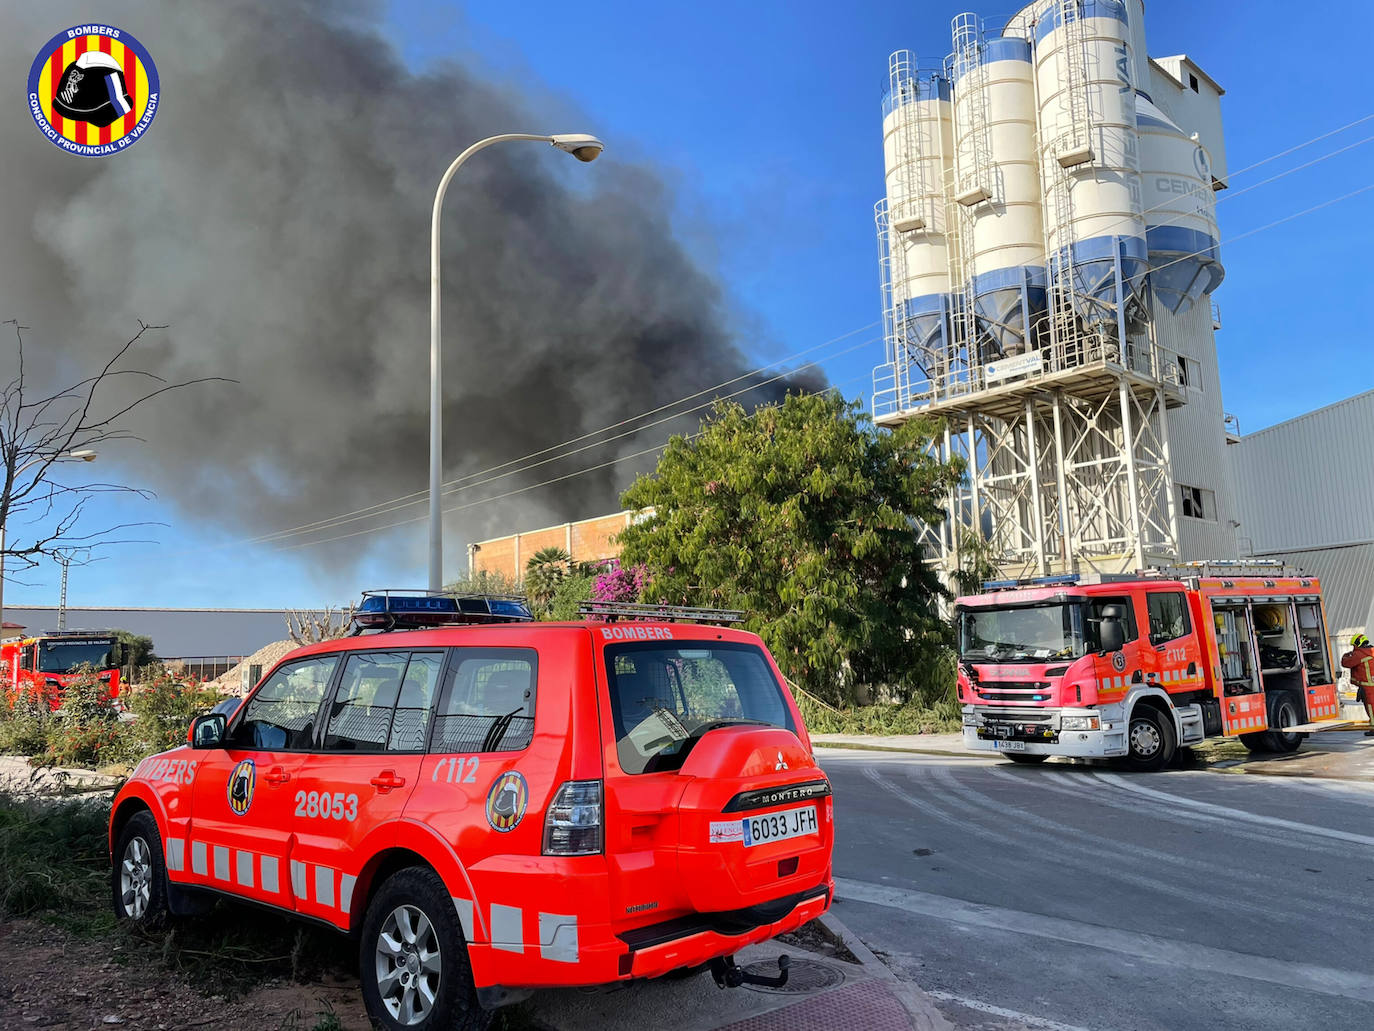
387 780
276 775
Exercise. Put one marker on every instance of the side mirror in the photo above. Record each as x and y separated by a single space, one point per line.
206 731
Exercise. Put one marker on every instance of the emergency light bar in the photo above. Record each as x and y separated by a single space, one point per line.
416 610
1036 581
613 610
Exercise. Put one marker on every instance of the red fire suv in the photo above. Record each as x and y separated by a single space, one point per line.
497 806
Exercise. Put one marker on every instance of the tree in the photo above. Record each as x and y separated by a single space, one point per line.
977 563
40 514
543 573
136 650
809 519
308 627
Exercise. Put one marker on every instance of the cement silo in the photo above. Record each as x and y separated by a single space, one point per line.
1180 210
998 188
1090 160
918 152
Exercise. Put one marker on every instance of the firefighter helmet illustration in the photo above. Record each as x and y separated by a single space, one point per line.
506 801
93 90
241 784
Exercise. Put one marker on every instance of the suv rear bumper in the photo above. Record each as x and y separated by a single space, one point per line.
651 951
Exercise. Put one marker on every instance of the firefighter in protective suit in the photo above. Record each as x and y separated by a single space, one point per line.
1360 661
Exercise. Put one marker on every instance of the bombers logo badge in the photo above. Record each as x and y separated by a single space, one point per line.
241 784
93 90
506 801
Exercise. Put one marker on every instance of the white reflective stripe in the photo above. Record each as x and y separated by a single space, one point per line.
269 874
558 937
346 892
176 854
245 868
221 863
324 886
1120 681
198 864
506 932
464 908
298 879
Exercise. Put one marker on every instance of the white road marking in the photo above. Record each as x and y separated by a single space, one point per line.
1031 1021
1185 955
1211 808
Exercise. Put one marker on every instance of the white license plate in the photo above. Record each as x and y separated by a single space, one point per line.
1009 746
790 823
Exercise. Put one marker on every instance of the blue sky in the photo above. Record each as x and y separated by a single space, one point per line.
764 119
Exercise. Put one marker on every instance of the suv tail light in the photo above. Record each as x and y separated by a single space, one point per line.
574 821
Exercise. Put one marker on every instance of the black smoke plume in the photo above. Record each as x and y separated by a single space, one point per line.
276 216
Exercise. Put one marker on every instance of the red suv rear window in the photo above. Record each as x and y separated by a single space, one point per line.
665 695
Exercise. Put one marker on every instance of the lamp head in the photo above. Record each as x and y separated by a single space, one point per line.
579 145
82 454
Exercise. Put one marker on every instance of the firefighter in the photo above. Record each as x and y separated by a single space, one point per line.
1360 661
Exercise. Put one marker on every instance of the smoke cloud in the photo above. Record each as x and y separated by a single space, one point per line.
276 216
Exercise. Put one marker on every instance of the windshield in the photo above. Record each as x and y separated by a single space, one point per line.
65 656
1024 633
664 697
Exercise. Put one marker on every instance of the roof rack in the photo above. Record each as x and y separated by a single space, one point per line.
396 609
613 610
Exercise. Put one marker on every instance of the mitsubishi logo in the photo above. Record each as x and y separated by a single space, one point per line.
781 764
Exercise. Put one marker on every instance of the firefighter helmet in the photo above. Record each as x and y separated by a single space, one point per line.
1359 641
92 89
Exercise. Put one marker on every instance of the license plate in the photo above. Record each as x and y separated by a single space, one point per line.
1009 746
790 823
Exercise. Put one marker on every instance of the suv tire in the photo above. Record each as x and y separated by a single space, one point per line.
413 961
138 875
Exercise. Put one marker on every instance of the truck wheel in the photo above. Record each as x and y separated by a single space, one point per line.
1026 760
138 880
413 960
1151 740
1257 742
1283 713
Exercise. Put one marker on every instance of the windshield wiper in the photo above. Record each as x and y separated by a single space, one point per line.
498 730
734 721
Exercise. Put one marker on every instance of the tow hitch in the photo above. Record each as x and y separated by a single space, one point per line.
727 975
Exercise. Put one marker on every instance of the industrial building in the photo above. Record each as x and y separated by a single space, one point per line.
587 540
1322 519
1049 246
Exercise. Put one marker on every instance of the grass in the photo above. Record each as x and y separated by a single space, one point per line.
911 718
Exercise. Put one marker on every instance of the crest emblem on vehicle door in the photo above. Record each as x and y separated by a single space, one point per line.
506 801
781 763
241 784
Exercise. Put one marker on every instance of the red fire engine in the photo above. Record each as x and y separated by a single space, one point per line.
43 665
1134 666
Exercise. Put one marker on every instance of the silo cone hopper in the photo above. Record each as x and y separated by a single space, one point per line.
1007 302
1105 273
924 327
1186 265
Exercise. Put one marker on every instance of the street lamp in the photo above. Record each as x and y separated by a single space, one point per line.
84 454
580 146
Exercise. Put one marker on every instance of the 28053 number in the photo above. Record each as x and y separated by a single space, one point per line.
324 806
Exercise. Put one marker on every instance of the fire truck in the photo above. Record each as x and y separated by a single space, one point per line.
1134 666
43 665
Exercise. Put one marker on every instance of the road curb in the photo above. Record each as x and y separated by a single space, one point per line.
855 746
920 1007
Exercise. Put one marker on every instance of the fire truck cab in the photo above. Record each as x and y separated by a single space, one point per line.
1134 666
491 805
41 666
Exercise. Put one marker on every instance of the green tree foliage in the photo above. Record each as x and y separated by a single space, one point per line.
977 564
135 652
572 591
543 573
808 518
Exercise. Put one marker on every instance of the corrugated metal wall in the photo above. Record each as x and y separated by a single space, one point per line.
1309 482
1197 435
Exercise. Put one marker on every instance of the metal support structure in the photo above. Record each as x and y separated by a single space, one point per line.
1067 548
1033 466
1132 483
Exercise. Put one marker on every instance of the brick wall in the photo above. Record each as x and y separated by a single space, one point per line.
588 540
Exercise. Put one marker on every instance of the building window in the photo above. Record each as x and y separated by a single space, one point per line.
1192 82
1190 374
1197 502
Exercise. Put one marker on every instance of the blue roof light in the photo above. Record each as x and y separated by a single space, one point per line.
412 610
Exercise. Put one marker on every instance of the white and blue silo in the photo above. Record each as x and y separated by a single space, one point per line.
1090 160
998 188
1180 210
918 153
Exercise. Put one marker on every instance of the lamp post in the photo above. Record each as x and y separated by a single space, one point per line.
79 455
580 146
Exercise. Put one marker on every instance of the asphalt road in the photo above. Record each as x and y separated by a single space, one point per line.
1064 897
